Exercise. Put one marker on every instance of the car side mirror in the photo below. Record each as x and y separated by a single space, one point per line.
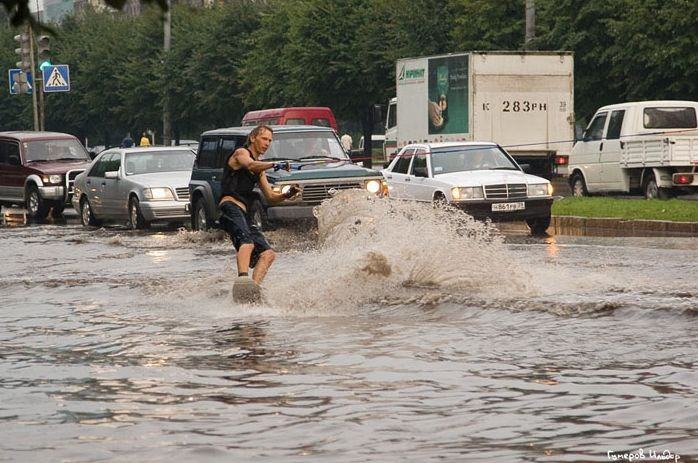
111 174
356 156
92 154
526 168
420 172
578 132
14 160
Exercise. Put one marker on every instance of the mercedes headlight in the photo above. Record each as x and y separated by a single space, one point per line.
540 189
158 194
373 186
52 179
468 192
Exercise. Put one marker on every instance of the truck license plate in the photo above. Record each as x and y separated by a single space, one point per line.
506 207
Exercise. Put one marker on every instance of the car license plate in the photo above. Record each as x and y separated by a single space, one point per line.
506 207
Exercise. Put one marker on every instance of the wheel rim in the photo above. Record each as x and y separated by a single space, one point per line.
33 203
86 213
134 215
200 218
652 190
578 188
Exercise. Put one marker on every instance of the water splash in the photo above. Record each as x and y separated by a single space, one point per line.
373 249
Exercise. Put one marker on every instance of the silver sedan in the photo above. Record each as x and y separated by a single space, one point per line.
138 185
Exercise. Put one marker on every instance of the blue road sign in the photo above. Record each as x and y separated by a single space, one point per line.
14 75
56 78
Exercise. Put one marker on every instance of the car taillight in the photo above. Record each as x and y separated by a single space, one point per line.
562 160
683 179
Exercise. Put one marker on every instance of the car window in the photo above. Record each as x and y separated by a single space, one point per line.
295 121
670 118
615 124
595 129
100 166
403 162
228 146
55 150
419 164
306 144
150 162
321 121
9 153
468 158
114 163
208 154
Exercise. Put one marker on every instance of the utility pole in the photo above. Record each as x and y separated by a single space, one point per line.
35 104
166 119
530 23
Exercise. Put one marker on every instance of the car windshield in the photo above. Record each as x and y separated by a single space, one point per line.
465 158
149 162
55 150
305 145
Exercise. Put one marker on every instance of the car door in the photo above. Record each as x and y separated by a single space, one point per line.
209 166
396 177
612 175
93 183
589 155
11 177
417 183
112 197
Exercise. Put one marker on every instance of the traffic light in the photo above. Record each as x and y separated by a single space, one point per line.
44 51
24 52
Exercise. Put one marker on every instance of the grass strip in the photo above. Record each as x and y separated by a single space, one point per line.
674 210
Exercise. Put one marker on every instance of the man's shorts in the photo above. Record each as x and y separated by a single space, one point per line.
241 231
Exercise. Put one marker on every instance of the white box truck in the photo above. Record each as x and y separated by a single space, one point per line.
524 101
647 146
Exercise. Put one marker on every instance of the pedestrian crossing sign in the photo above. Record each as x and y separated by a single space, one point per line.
56 78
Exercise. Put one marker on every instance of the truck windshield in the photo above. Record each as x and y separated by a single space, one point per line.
295 146
55 150
149 162
670 118
466 158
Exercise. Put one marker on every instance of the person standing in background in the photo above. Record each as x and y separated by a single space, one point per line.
346 142
145 141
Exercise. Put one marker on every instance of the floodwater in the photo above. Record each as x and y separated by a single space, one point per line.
393 332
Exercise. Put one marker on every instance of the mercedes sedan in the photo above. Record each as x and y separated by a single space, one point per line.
135 185
480 178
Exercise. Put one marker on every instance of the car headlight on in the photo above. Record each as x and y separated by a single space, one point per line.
52 179
373 186
468 192
540 189
158 194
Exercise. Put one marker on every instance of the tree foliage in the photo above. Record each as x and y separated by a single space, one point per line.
251 54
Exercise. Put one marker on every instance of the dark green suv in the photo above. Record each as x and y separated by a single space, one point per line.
325 170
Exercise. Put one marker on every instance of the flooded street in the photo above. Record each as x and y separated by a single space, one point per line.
391 333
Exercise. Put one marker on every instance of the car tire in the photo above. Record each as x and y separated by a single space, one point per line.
654 191
539 225
37 208
258 215
136 221
87 217
200 220
578 186
440 201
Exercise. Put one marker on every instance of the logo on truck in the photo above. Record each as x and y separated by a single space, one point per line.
412 75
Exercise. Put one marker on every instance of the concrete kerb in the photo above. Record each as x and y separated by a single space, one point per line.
595 226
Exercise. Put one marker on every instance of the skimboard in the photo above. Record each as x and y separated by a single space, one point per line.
246 291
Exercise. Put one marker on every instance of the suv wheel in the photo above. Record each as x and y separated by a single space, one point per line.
199 219
259 215
36 206
653 191
578 186
86 216
538 225
136 220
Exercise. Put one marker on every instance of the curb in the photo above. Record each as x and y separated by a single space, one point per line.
603 226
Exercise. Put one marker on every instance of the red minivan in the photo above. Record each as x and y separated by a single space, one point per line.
307 115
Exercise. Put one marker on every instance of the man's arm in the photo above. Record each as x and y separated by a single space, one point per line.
242 158
271 195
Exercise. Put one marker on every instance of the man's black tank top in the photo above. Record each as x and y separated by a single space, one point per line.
239 183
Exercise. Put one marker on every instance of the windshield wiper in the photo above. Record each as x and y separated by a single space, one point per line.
39 160
69 159
504 168
277 159
321 156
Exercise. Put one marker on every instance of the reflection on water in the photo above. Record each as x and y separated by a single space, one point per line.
120 346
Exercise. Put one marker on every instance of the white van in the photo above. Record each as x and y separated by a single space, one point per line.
648 146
